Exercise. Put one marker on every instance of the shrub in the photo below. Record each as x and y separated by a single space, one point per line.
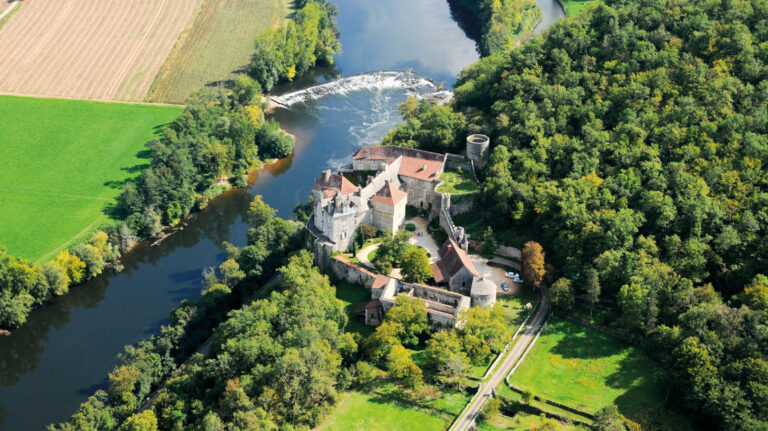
410 227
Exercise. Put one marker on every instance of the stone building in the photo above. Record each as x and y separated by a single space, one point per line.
398 176
387 179
456 271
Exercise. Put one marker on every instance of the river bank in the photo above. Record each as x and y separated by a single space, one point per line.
65 350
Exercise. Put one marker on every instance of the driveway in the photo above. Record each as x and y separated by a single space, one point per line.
362 255
425 241
493 273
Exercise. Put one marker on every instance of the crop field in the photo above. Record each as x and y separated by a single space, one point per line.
588 370
85 49
64 162
219 42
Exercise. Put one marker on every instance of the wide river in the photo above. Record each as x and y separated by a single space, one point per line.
65 350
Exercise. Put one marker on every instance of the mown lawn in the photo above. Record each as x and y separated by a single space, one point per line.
219 43
574 7
372 412
352 295
586 369
64 162
524 421
513 306
455 181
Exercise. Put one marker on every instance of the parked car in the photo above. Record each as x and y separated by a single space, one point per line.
505 286
511 274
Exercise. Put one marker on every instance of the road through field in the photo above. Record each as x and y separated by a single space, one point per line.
102 50
466 420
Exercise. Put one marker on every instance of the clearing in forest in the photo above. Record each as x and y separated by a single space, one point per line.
86 49
585 369
220 42
64 162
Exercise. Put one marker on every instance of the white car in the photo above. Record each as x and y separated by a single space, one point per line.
511 274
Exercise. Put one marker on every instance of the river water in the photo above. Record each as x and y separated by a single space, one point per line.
65 350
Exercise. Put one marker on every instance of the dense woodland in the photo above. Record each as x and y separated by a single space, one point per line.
631 141
242 278
312 37
503 23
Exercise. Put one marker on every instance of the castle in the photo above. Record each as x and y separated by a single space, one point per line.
394 177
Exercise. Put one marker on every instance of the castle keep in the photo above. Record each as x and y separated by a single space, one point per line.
394 177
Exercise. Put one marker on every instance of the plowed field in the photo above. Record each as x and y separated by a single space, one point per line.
90 49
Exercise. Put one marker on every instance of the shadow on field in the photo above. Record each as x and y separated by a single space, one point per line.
580 344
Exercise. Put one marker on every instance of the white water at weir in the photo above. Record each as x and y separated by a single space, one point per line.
417 86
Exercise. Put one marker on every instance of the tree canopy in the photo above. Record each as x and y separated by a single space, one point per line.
631 141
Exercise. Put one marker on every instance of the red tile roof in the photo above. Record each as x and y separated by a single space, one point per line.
452 259
331 184
423 165
379 281
389 195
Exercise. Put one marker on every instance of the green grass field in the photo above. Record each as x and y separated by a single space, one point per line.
64 162
351 295
457 182
574 7
525 421
371 412
219 43
588 370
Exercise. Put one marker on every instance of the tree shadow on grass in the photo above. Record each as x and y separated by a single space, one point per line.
580 342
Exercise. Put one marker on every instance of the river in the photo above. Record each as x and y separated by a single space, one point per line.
65 350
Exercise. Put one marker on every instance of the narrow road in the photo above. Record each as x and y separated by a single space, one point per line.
362 255
467 418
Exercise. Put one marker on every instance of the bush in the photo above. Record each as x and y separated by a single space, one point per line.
410 227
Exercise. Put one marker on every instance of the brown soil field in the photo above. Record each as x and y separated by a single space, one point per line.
90 49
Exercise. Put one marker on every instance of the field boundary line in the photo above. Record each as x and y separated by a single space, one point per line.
87 228
123 102
10 8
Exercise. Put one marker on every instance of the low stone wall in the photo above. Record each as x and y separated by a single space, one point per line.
510 252
465 205
346 270
454 161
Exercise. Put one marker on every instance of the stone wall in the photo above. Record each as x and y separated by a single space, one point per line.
453 161
465 205
462 281
346 270
511 252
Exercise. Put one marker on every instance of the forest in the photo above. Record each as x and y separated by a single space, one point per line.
312 37
503 22
279 347
631 142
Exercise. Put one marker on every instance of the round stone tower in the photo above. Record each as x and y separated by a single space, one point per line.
483 292
477 149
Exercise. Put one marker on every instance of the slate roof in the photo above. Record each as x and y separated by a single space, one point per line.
452 259
419 164
389 195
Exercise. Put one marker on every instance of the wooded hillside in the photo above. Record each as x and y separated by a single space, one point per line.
632 139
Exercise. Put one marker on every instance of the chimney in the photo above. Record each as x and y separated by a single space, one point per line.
326 175
424 168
